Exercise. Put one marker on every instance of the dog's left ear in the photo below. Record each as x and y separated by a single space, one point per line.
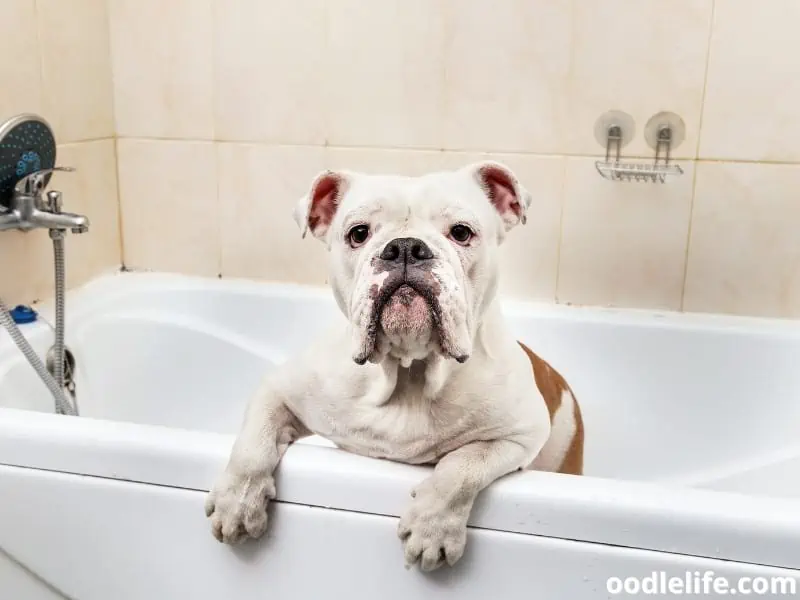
505 192
315 210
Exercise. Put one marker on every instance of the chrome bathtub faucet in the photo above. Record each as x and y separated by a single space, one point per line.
27 161
30 208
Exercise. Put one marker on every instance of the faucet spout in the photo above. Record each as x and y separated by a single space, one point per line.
62 220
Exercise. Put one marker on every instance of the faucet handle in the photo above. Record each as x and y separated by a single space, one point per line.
34 182
54 201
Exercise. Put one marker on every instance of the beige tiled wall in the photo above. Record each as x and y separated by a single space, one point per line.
225 110
54 61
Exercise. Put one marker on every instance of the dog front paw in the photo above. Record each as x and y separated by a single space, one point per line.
237 506
432 532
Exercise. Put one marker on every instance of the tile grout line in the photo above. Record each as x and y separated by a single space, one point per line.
564 172
431 150
705 79
110 31
696 164
688 238
115 136
220 251
565 159
444 7
43 100
326 87
120 223
86 141
212 8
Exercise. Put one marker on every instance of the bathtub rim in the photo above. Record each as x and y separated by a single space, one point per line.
645 515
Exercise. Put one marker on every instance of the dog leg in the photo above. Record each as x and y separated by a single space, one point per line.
434 528
237 504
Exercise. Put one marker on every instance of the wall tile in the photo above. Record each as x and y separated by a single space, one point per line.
753 91
744 251
258 188
534 77
162 61
26 264
385 73
92 191
20 60
529 254
78 93
507 69
640 57
269 72
169 210
379 161
623 244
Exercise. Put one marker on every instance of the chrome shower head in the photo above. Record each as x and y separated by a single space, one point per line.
27 144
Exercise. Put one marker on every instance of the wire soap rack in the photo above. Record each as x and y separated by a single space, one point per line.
661 137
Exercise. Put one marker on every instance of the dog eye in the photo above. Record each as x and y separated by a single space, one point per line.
461 233
358 235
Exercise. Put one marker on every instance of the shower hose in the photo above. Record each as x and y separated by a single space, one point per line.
55 382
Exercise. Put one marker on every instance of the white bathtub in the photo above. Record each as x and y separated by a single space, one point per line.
692 458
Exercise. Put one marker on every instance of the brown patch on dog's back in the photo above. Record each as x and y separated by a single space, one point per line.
552 387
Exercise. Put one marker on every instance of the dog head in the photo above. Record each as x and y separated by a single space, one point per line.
413 260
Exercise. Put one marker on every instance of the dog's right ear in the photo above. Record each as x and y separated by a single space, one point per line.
315 210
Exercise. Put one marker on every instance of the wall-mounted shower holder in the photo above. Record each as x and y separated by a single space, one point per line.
663 139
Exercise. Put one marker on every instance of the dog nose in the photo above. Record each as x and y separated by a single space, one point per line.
406 251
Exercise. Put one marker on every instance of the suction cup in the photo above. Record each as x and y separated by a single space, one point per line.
614 117
27 144
665 119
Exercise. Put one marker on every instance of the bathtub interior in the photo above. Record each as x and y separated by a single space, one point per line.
683 400
184 359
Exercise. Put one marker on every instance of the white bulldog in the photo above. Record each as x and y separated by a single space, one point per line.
434 375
